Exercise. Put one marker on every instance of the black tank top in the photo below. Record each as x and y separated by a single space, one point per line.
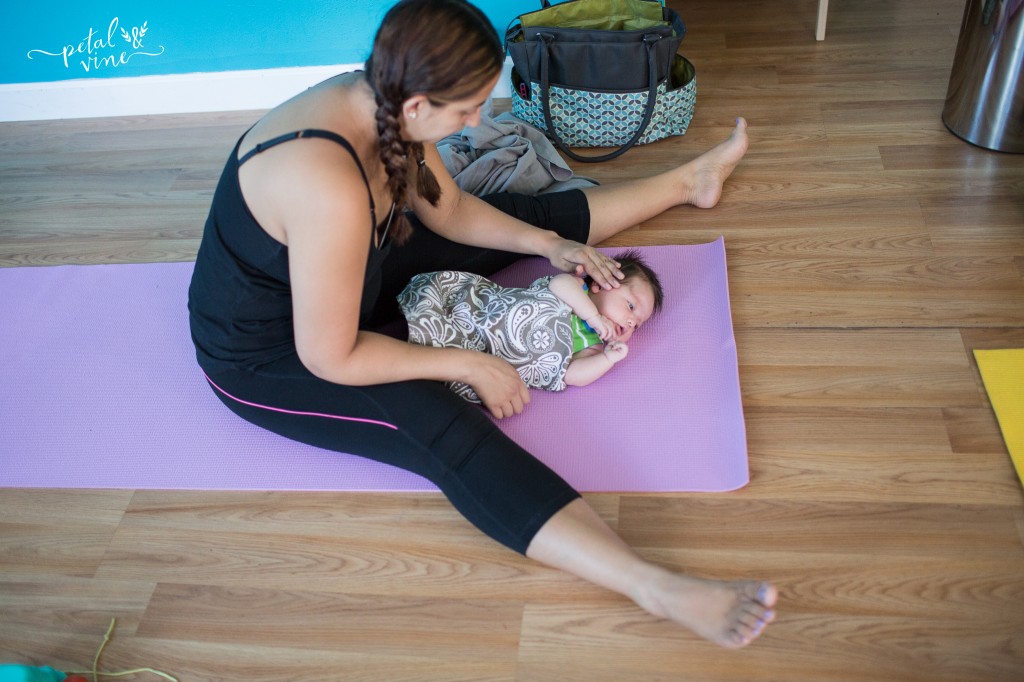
240 299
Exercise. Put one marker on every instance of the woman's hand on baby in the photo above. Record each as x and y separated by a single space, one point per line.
616 351
499 386
582 260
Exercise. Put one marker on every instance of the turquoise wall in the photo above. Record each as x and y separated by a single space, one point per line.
63 40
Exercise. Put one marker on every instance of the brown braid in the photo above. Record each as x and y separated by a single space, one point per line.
426 182
394 155
400 158
453 61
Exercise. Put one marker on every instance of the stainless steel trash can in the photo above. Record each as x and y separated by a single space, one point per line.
985 100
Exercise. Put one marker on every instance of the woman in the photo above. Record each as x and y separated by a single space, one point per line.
308 244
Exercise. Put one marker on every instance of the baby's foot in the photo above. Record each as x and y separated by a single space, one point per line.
705 175
731 614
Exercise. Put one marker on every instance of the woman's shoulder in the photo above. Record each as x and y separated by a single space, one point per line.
336 106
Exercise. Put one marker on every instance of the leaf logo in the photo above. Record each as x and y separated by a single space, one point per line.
136 35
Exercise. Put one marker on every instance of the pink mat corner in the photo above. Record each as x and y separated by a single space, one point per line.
101 390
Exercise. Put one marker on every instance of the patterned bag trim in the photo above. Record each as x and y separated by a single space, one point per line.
584 118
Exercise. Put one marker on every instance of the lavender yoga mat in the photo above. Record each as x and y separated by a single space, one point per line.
100 390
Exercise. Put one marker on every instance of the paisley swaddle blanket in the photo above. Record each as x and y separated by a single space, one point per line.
530 328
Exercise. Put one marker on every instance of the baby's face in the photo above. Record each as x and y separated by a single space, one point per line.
627 307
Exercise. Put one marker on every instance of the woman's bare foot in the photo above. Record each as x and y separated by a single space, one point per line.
577 540
615 207
731 614
704 176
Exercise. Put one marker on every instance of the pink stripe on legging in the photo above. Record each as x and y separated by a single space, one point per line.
303 414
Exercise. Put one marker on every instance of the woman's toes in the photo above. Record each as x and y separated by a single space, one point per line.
767 594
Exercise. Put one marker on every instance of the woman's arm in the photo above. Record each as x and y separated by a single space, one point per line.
463 218
326 219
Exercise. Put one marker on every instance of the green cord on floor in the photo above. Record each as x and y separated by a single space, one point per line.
96 662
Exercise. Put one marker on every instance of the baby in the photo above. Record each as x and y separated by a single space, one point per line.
556 332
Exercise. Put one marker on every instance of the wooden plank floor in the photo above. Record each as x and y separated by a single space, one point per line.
870 251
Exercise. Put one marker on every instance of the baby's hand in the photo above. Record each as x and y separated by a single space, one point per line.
616 351
604 327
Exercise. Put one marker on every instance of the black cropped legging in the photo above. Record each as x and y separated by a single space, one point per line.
421 426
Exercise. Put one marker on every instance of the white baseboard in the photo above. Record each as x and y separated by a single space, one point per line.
173 94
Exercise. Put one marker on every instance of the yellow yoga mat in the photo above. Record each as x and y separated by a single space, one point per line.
1003 373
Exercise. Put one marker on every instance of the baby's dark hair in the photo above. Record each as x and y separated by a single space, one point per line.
633 265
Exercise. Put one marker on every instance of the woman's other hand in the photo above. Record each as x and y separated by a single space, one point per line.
498 385
583 260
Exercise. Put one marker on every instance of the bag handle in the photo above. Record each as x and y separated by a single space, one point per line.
544 4
652 94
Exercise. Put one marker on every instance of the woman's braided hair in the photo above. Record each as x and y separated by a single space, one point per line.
444 49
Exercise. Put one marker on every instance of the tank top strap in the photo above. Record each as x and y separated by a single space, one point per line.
323 134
